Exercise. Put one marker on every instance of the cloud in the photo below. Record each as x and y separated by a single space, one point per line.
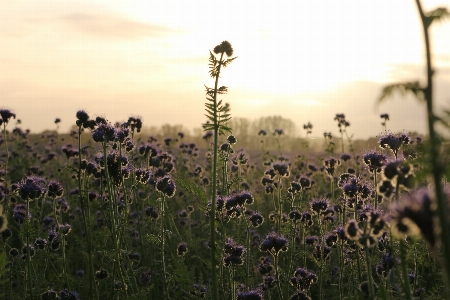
114 26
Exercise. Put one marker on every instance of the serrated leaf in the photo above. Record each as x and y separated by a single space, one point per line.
192 188
211 113
402 88
210 118
153 238
86 147
438 14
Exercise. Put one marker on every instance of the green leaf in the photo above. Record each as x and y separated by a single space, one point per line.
228 61
192 188
402 88
438 14
211 113
224 120
210 118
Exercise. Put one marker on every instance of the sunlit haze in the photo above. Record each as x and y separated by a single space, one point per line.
303 60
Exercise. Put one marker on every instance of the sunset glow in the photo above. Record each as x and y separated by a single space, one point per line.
304 60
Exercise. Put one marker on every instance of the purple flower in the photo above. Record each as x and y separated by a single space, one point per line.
274 243
250 295
55 189
30 188
6 115
166 186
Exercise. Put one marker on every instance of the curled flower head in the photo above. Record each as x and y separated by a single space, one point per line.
352 230
319 205
240 159
104 133
30 188
386 264
64 229
6 115
224 47
250 295
143 175
231 139
305 182
182 249
294 187
416 214
101 274
302 279
82 117
345 157
274 244
322 252
66 294
166 186
151 211
374 160
394 142
256 219
295 215
330 166
356 187
306 219
233 253
55 189
243 198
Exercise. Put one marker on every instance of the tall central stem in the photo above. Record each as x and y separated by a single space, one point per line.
214 188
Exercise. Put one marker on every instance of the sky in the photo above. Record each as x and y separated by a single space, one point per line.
303 60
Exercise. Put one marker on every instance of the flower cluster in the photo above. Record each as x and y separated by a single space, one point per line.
233 253
278 169
224 47
6 115
302 279
394 142
342 123
166 185
416 214
30 188
117 165
374 160
274 243
330 166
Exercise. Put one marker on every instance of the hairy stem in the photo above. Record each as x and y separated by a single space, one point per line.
436 165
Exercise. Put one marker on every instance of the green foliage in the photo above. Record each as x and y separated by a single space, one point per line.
193 189
438 14
402 88
217 113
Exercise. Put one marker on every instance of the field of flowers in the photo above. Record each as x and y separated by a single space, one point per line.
108 212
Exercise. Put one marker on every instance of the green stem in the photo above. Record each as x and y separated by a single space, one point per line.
406 285
214 189
84 202
247 260
166 291
27 220
114 218
277 275
436 166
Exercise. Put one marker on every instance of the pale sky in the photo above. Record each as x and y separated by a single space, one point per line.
303 60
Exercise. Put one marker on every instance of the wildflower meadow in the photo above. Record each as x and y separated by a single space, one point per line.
112 211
